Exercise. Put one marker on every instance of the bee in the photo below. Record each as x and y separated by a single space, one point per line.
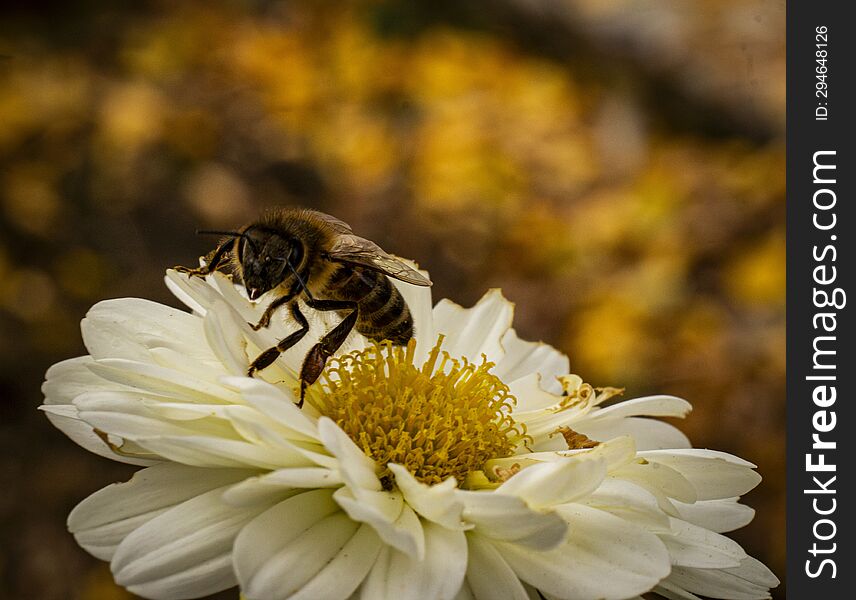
302 254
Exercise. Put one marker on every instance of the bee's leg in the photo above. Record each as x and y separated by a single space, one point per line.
266 316
266 358
212 261
317 356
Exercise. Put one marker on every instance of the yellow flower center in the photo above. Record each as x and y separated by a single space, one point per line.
445 419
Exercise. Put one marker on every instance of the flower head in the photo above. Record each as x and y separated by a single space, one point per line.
467 464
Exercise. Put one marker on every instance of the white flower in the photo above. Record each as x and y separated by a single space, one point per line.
420 472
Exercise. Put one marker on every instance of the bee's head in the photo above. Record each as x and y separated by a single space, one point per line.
264 257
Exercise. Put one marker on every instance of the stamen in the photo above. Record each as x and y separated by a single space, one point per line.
445 419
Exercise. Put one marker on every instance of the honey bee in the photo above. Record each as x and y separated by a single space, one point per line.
308 255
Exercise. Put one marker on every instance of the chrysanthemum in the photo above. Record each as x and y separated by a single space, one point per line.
468 464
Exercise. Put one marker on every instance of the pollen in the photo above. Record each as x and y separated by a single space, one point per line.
443 419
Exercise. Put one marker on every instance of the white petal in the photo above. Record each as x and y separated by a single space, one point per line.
693 546
273 530
162 380
262 487
604 557
394 521
717 515
533 398
234 421
235 295
750 581
101 521
691 454
127 415
508 518
226 338
550 483
68 379
358 470
129 327
471 332
670 591
465 593
194 292
616 453
184 552
66 418
523 358
488 574
282 574
436 503
649 406
275 403
65 381
342 575
418 299
438 577
631 502
714 475
205 451
661 480
650 434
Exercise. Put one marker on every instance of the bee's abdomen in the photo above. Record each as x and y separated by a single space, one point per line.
383 314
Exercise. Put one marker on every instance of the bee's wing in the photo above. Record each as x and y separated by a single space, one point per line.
365 253
337 225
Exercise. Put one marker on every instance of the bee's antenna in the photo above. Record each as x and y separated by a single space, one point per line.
296 274
231 233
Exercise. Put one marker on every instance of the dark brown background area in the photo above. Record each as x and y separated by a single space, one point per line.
616 167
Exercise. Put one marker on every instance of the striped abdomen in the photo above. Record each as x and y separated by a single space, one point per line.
383 314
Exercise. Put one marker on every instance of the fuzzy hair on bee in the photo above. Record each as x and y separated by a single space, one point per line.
302 254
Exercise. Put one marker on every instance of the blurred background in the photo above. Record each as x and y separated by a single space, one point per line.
615 166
